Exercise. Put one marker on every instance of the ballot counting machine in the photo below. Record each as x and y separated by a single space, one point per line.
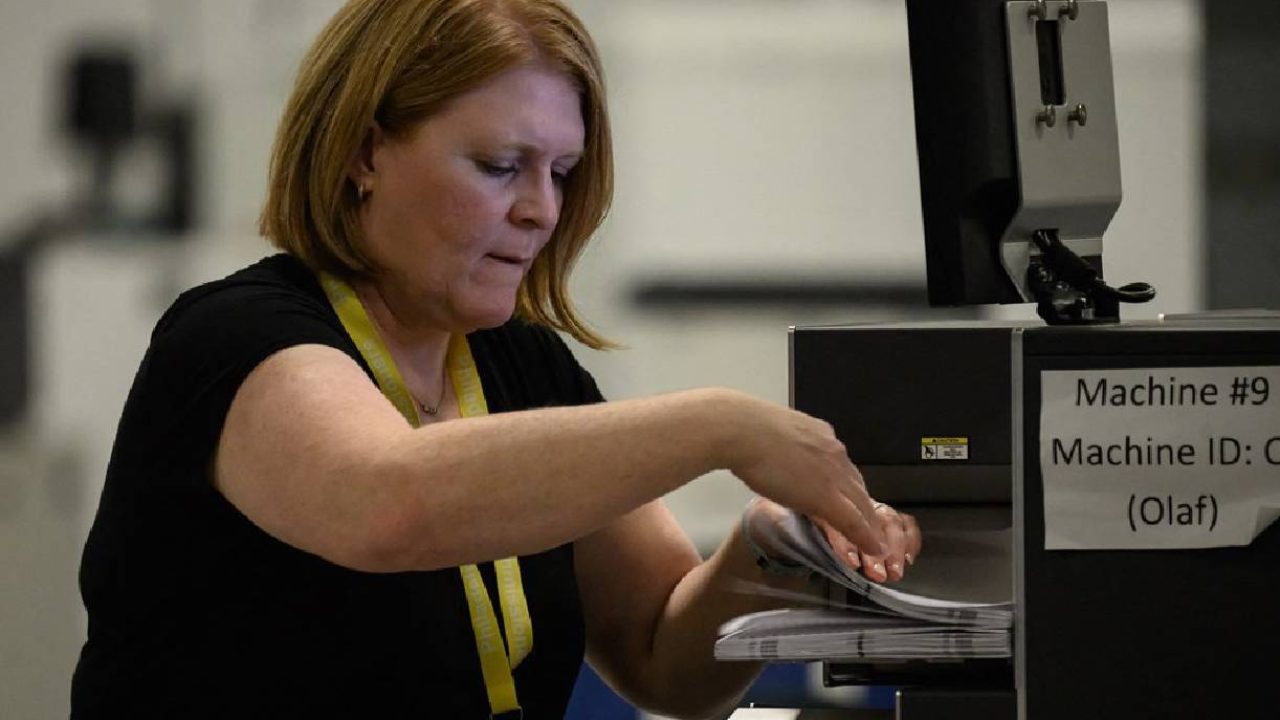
1036 454
945 421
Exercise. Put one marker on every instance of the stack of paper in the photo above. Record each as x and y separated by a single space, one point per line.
891 625
835 634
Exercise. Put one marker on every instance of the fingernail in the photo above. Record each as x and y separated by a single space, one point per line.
896 569
878 568
910 560
853 559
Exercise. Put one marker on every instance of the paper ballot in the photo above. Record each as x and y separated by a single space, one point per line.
892 625
801 634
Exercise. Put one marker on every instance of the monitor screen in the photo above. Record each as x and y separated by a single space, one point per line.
965 143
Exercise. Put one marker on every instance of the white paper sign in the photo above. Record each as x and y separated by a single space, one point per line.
1159 458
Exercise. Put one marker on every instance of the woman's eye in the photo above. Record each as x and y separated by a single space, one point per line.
496 169
561 175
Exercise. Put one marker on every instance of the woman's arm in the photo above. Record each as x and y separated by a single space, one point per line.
653 609
313 454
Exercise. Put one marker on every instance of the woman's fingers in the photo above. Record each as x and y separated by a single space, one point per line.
856 491
896 538
871 564
902 540
846 551
850 484
862 530
914 541
873 567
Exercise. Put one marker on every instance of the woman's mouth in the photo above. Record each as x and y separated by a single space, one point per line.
508 259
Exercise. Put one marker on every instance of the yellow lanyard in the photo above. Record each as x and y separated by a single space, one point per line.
494 661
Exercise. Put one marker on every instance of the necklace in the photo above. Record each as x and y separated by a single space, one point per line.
433 410
430 410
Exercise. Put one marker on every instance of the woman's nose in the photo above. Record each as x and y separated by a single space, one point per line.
538 202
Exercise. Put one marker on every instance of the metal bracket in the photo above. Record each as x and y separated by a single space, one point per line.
1068 172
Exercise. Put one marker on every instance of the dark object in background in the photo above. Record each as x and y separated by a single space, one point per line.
104 114
102 97
175 127
15 317
101 116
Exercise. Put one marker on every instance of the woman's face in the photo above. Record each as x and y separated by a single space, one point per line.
459 208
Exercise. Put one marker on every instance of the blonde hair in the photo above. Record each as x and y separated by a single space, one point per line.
397 62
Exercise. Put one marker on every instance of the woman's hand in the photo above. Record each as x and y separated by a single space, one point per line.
900 529
902 535
797 461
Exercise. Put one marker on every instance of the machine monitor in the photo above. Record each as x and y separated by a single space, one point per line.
1018 154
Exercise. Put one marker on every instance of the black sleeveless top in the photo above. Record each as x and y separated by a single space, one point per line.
196 612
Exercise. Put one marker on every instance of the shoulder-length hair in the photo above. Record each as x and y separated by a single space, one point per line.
397 62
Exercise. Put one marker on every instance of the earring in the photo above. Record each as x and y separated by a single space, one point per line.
362 191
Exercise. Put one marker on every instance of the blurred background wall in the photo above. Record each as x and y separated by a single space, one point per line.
767 177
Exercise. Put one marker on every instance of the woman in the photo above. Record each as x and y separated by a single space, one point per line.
297 522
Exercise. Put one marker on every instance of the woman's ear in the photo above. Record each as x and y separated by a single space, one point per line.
362 168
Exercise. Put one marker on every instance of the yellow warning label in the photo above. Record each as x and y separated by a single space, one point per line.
944 448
